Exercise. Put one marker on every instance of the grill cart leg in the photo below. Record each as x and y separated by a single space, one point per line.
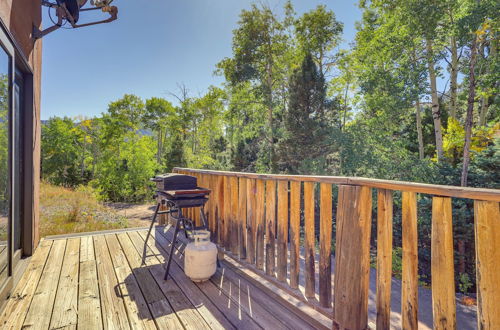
203 217
149 233
172 248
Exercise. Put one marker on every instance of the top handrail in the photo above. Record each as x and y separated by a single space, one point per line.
422 188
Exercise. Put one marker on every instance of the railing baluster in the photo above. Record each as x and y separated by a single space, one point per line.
309 241
282 230
245 218
294 233
259 216
443 279
219 210
227 213
352 257
384 257
233 225
251 220
409 300
242 217
487 237
325 249
270 227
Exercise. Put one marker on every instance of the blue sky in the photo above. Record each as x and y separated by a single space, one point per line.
153 45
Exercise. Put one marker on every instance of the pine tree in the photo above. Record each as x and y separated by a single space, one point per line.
175 157
305 137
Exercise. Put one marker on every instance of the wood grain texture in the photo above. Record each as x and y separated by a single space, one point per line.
409 296
160 308
270 227
309 245
212 315
219 210
487 237
384 257
352 257
442 265
114 315
259 215
282 246
38 316
242 217
251 219
423 188
325 245
65 312
233 227
294 233
14 313
137 309
177 300
89 302
227 213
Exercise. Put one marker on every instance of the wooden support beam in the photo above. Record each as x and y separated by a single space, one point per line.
259 215
442 268
352 256
309 239
487 232
384 257
242 217
251 219
233 225
282 247
270 227
294 234
325 246
409 289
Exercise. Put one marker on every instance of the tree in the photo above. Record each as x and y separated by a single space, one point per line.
259 44
61 152
157 116
318 33
306 133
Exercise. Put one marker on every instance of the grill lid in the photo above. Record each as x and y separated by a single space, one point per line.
175 181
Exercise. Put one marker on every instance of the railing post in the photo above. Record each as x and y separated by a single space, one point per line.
352 258
487 232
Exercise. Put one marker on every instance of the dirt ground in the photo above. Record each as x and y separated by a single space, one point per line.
138 215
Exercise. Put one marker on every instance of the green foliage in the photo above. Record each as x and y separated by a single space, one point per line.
293 102
464 283
305 139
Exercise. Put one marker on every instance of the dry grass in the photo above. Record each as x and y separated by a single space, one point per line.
65 211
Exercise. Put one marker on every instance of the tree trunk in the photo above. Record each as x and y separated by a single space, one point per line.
483 112
453 78
345 107
470 111
419 130
269 82
436 114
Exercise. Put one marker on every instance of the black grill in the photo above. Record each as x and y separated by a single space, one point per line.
181 189
177 192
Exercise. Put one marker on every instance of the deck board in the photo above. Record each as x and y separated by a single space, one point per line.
89 302
65 310
38 314
100 282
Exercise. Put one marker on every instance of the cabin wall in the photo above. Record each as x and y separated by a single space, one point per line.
19 17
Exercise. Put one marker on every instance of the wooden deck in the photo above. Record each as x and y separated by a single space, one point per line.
99 282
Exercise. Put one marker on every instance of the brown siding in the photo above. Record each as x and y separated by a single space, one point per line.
20 16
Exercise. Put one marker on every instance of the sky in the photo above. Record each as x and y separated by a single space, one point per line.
152 47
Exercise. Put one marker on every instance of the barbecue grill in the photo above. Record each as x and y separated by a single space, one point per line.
178 192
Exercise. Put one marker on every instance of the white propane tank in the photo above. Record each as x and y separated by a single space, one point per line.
200 257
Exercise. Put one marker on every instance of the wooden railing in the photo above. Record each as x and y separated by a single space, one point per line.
257 219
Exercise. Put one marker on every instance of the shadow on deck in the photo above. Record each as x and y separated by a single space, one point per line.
98 281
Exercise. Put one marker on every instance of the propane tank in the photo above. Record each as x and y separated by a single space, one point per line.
200 257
